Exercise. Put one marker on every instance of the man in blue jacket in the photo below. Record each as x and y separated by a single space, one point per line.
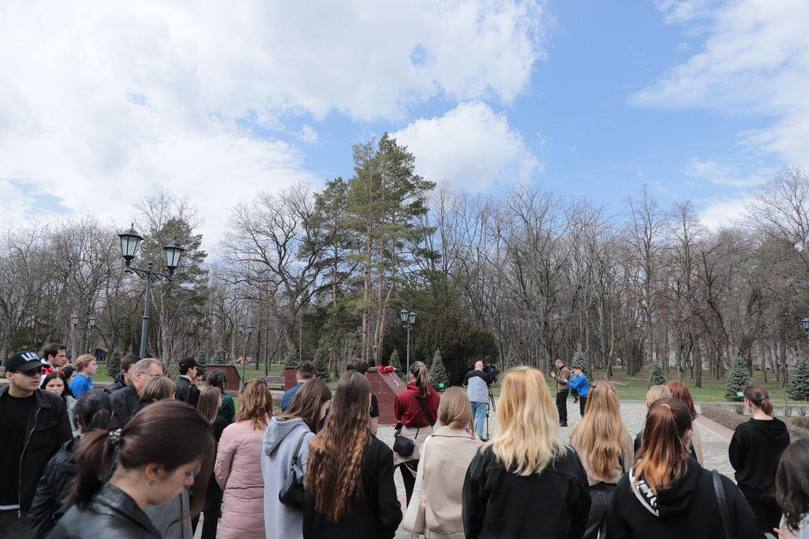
581 384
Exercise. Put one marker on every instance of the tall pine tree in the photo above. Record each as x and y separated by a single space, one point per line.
438 374
798 387
738 379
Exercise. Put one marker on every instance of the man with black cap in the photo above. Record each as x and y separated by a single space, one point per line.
186 389
33 426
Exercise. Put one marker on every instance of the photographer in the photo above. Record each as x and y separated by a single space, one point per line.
477 383
562 376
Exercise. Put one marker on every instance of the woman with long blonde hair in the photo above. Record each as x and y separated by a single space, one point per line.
605 449
525 480
349 473
238 465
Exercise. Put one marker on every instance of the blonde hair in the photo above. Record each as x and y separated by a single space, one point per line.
599 436
255 404
656 393
527 423
159 388
208 403
83 360
455 410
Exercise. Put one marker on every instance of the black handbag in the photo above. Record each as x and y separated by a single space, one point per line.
292 493
404 446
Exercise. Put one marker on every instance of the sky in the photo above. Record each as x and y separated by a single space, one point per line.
103 103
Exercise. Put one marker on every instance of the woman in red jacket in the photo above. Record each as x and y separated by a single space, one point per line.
416 410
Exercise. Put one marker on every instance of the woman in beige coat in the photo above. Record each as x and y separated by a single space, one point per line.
435 507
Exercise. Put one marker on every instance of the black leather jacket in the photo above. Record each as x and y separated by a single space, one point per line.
53 488
111 513
48 428
186 391
125 403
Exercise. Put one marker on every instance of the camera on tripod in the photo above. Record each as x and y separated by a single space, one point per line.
491 370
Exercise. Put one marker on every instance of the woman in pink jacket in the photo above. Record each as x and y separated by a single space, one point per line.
238 465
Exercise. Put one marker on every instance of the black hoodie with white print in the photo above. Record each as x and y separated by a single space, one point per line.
687 509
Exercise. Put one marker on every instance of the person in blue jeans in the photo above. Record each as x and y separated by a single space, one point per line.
581 384
477 383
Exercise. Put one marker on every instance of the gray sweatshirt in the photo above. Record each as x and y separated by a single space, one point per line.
280 440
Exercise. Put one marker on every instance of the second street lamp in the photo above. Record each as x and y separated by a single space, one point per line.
172 251
408 320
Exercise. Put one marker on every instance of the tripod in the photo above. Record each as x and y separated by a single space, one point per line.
493 408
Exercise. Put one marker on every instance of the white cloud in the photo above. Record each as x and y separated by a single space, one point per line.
308 134
106 102
470 147
755 61
725 174
725 212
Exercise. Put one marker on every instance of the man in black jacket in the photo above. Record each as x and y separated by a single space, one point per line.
33 426
187 390
126 401
122 380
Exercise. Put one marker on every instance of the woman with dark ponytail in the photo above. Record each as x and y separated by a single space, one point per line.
416 411
92 411
754 451
668 495
157 454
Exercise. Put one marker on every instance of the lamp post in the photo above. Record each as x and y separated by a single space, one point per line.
408 320
248 330
91 325
130 241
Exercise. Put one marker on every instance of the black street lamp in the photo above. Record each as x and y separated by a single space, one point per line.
245 330
408 320
172 251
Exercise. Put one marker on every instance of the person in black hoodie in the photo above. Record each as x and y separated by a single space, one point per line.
93 411
526 483
754 451
668 495
349 473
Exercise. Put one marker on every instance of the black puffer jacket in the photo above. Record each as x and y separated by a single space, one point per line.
112 513
53 488
48 429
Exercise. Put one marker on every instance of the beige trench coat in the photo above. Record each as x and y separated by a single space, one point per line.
438 492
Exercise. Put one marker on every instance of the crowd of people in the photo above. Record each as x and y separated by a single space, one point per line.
153 457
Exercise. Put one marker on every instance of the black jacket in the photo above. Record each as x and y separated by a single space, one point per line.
375 515
125 403
688 509
553 504
53 488
754 451
48 428
111 513
117 384
488 378
186 391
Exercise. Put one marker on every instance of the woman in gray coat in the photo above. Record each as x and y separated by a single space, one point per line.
289 435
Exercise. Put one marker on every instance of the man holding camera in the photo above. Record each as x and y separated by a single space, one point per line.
562 377
477 383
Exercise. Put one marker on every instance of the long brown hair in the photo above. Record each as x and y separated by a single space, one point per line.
664 455
255 404
208 403
169 433
333 474
600 435
792 483
759 398
419 372
679 390
307 403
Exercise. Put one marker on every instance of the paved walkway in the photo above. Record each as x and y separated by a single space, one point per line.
715 440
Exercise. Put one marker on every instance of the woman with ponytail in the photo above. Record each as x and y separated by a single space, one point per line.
92 411
416 411
349 473
157 454
668 495
754 451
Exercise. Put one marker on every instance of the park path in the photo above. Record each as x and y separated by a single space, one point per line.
715 440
